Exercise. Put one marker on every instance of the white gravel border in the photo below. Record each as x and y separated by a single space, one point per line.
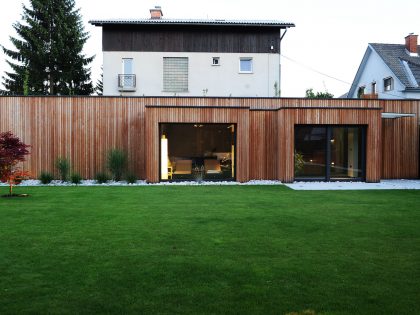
90 182
384 184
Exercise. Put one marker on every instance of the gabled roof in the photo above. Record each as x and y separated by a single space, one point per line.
397 59
260 23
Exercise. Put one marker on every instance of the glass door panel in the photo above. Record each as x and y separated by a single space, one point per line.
310 155
346 153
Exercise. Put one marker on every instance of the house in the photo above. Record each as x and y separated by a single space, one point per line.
389 71
221 138
183 57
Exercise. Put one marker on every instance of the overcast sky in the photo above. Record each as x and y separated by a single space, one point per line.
330 36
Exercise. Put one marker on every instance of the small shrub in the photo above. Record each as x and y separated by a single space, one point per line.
117 163
131 178
63 167
75 178
45 177
101 177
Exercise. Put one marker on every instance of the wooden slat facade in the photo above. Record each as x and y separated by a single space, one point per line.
199 114
85 128
369 117
82 129
400 141
170 38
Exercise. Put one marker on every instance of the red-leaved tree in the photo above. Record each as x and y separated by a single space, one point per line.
12 151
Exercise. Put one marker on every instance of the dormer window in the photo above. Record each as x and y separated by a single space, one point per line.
388 84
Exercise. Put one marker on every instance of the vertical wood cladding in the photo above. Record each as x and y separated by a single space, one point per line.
80 128
200 114
85 128
165 38
400 141
371 118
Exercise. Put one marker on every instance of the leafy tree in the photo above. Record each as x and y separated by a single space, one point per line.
311 94
12 151
47 58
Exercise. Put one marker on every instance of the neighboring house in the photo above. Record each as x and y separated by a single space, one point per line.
389 71
182 57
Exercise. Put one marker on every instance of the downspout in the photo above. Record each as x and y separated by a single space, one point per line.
281 38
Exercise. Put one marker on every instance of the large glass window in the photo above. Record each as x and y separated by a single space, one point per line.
197 151
329 152
310 152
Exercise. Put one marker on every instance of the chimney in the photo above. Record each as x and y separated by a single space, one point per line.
156 13
411 44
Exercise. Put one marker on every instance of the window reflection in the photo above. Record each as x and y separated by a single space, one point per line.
329 152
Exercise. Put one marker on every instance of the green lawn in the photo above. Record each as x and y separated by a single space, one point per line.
209 250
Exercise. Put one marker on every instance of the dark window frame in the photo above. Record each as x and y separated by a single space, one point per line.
235 137
391 84
329 129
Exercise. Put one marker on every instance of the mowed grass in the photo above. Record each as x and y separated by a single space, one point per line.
209 250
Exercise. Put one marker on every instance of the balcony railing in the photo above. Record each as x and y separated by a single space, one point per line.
127 82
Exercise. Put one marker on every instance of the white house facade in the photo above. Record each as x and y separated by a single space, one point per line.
167 57
389 71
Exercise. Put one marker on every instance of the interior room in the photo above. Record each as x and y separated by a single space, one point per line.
197 151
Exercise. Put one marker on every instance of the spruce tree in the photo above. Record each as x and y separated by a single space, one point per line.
99 88
48 58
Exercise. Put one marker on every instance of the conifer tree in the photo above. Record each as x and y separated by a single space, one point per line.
48 57
99 88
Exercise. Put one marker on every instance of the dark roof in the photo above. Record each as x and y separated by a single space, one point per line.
260 23
394 55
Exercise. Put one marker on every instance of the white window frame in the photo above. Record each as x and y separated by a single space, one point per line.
216 61
391 86
374 87
128 80
246 59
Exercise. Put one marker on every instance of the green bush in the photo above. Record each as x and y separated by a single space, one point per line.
117 163
75 178
101 177
45 177
63 167
131 178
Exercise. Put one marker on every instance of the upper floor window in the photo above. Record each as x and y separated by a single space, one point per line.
373 88
127 78
127 65
175 74
388 84
245 65
216 61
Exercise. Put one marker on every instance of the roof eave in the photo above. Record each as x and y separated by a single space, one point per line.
209 23
366 55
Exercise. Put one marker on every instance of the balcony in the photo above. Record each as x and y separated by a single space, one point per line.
127 82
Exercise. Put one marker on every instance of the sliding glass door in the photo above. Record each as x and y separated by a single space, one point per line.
329 152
